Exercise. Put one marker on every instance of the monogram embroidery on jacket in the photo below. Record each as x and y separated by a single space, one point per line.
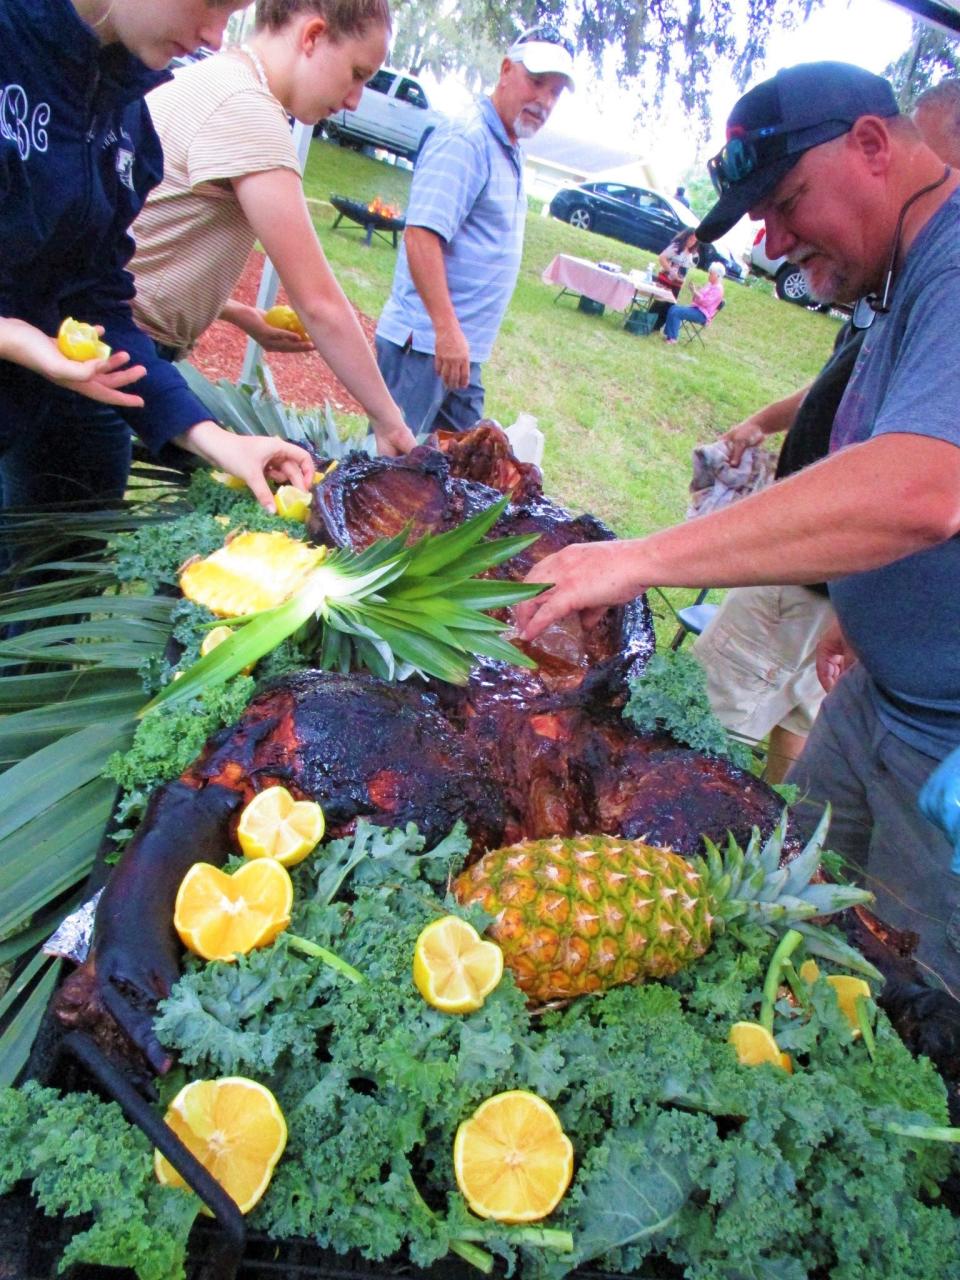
21 125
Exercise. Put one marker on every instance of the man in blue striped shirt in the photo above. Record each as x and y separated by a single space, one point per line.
461 251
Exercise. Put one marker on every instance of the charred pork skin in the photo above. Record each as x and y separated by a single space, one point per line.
391 753
512 754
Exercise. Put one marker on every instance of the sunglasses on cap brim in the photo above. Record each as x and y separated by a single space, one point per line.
745 154
748 152
546 33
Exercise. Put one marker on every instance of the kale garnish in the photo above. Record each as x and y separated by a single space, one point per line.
670 696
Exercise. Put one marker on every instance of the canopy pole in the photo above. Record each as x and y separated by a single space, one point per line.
269 283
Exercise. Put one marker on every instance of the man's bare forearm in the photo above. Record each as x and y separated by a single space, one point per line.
854 511
429 274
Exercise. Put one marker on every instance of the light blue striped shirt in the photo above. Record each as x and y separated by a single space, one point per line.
468 188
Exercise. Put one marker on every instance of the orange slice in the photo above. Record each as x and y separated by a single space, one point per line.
284 317
274 825
220 916
755 1045
848 991
453 967
235 1129
292 503
79 341
512 1160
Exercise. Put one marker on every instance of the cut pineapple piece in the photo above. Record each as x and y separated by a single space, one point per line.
254 571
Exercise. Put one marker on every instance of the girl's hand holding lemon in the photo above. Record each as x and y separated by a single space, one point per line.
98 377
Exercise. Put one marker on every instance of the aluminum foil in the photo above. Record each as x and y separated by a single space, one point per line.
71 940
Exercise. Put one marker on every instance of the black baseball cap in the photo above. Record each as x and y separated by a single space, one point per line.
773 124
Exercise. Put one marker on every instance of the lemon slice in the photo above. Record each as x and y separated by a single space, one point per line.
292 503
220 916
213 639
512 1160
275 826
235 1128
79 341
284 317
755 1045
227 480
453 967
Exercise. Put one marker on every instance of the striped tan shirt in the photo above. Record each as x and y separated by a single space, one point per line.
216 122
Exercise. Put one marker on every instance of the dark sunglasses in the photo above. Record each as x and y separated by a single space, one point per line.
547 33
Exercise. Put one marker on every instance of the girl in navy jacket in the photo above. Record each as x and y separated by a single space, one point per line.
78 155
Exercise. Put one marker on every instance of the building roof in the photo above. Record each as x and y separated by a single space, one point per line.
579 155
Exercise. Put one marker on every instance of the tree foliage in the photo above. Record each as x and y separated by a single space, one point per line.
933 54
648 44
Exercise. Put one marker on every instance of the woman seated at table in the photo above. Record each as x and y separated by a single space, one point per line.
705 304
677 259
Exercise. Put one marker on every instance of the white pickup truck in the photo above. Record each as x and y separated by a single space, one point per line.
394 113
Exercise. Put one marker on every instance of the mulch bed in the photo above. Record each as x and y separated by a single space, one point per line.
305 381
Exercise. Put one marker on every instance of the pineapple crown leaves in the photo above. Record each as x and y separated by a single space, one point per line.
394 608
750 883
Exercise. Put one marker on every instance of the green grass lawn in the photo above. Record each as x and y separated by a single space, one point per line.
620 413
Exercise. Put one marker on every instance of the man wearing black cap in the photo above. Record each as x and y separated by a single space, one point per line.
848 190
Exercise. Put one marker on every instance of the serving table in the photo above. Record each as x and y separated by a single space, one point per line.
585 279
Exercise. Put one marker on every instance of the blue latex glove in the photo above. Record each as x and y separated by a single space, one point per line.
939 800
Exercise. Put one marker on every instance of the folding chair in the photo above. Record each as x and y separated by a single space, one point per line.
693 618
690 332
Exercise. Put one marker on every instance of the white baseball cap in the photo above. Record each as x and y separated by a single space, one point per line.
543 50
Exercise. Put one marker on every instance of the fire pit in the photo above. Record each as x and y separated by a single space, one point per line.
372 221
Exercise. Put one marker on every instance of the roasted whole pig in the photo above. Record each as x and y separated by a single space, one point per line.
512 754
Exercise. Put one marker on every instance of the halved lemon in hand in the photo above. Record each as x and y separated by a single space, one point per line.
235 1128
284 317
79 341
220 916
275 826
292 503
453 967
512 1160
755 1045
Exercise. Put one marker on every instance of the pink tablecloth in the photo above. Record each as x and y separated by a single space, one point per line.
590 281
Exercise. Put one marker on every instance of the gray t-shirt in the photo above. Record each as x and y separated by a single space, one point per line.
903 620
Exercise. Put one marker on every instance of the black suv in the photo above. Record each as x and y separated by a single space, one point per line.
636 216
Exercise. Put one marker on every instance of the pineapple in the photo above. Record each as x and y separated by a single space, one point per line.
580 915
253 571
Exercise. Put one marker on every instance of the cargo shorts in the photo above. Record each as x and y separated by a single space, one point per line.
759 653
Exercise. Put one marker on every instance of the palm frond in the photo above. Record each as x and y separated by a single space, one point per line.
257 414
